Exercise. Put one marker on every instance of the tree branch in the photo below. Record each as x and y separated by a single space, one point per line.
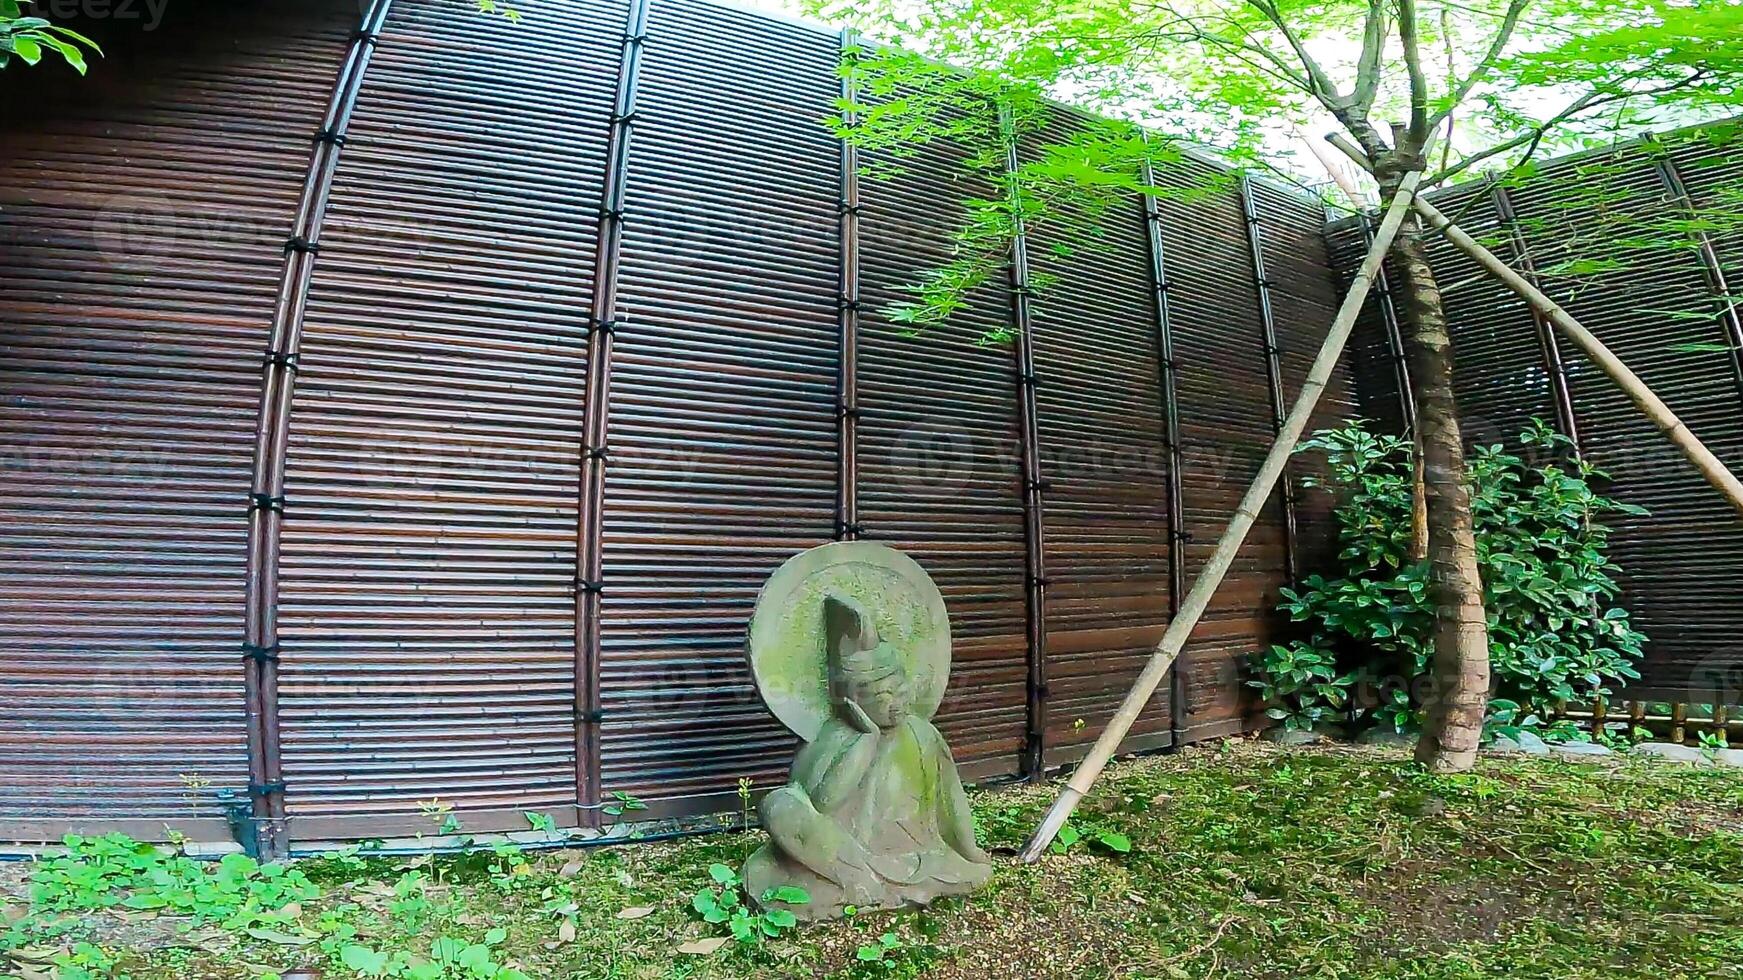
1323 87
1407 32
1533 137
1368 67
1497 47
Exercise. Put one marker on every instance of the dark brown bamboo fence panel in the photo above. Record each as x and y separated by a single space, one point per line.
1225 416
142 223
477 483
1549 344
939 451
1502 382
429 550
1103 455
1683 563
1304 299
1376 362
1708 174
723 420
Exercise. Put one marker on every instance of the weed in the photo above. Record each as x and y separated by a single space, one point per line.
724 904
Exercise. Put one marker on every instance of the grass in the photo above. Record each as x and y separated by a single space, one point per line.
1246 861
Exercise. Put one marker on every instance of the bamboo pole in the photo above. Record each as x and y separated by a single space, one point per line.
1181 627
1643 397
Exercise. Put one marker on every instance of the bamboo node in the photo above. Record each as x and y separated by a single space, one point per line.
267 502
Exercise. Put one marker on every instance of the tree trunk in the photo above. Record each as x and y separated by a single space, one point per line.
1457 697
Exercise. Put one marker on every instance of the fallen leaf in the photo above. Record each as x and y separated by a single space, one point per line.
281 938
570 869
292 910
34 954
13 913
566 931
637 912
703 947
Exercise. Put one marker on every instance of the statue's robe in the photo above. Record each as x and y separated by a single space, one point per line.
873 818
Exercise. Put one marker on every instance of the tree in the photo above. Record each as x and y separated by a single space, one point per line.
1497 82
27 38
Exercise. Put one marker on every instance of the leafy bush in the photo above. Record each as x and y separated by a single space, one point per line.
1547 585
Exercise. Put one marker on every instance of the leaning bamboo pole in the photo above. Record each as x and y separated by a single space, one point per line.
1193 608
1643 397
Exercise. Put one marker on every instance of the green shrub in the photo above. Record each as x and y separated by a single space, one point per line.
1548 585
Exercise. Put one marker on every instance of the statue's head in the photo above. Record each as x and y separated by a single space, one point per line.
874 680
862 669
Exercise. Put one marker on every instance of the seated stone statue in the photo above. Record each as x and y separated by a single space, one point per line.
874 815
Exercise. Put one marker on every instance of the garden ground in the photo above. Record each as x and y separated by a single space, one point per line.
1244 860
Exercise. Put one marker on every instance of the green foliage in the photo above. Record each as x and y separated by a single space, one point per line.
115 871
1547 578
28 38
507 12
881 952
1246 80
1094 833
1302 685
724 903
448 958
622 803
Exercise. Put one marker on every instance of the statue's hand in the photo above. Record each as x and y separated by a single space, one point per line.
855 715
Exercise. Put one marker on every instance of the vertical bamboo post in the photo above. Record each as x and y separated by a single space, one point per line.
1679 716
602 324
1643 397
1170 385
1246 514
1393 324
1273 363
266 496
1034 533
847 380
1554 366
1731 323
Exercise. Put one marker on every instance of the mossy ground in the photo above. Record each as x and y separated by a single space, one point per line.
1247 861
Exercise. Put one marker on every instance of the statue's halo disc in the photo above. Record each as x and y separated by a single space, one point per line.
786 642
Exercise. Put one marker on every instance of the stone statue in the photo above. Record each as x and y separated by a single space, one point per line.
850 648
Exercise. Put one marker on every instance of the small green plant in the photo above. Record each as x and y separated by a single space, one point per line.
622 803
544 823
723 903
1711 741
442 815
881 952
744 790
1095 834
510 871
